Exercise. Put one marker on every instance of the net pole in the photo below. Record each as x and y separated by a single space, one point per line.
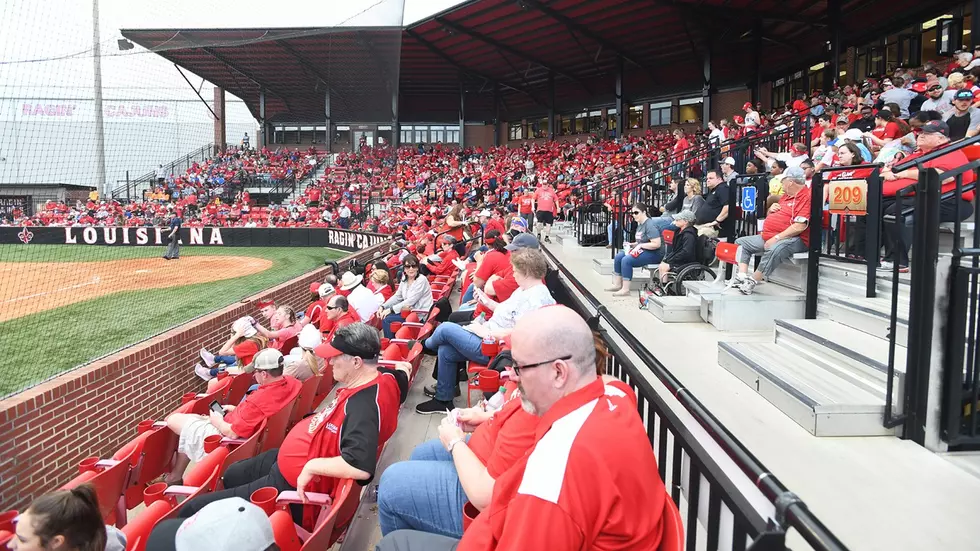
100 182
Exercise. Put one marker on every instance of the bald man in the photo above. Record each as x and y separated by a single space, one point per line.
590 468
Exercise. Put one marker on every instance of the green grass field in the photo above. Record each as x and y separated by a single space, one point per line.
38 346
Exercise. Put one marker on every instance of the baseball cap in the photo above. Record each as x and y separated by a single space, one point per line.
935 127
729 161
685 215
339 345
266 359
314 287
795 173
747 105
266 302
484 212
244 325
326 289
523 241
963 94
919 87
231 524
519 224
310 337
853 134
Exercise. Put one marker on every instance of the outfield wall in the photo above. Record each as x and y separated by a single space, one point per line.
93 410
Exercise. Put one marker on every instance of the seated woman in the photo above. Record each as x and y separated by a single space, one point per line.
684 249
236 353
378 284
413 292
646 250
455 344
284 327
66 519
446 254
302 363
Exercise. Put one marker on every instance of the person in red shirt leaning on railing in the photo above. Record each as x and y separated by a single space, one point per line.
590 469
933 135
783 233
343 440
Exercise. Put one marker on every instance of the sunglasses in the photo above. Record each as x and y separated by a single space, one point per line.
332 307
636 212
518 368
411 266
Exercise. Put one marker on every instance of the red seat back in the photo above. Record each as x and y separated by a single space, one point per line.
726 252
245 450
668 236
275 428
238 388
154 450
393 353
328 530
304 402
109 484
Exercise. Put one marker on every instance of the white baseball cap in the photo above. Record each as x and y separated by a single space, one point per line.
231 524
729 161
245 325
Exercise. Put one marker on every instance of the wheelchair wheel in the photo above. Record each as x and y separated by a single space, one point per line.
691 272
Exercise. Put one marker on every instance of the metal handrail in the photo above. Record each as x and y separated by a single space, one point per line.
794 511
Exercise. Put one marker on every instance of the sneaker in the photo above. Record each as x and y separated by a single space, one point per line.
203 372
207 357
736 280
434 406
747 286
430 391
889 266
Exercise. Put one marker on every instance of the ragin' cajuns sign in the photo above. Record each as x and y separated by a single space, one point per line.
214 237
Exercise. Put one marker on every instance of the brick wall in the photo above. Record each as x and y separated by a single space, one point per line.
478 136
92 411
725 105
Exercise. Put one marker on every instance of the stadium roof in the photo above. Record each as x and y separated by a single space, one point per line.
517 44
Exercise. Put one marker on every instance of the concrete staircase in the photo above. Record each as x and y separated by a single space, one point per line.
830 374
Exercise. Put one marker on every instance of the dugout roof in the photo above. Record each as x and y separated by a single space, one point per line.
517 44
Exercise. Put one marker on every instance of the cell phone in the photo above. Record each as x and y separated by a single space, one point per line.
216 407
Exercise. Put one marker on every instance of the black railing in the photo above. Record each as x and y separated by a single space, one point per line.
751 529
746 218
133 189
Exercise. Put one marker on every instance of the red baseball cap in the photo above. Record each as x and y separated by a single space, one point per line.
747 105
266 302
314 287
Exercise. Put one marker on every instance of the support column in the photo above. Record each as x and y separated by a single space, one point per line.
220 136
395 132
706 88
975 25
327 117
101 185
833 25
262 128
621 116
496 114
551 105
462 115
757 62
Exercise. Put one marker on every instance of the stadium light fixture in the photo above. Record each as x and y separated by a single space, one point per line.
124 44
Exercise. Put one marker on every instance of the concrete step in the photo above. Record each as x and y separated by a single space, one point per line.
846 279
869 315
859 358
820 402
603 266
968 461
733 311
674 309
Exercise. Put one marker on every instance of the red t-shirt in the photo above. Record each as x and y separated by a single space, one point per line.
495 263
262 403
245 351
949 161
546 199
525 203
504 438
790 209
889 131
495 224
314 311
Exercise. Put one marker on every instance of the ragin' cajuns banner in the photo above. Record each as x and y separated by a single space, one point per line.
344 240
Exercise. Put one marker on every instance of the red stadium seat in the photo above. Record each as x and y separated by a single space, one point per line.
668 237
154 452
109 477
275 429
673 533
726 252
335 514
304 401
239 386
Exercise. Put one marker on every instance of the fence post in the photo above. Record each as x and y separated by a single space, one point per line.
816 235
127 187
872 228
922 296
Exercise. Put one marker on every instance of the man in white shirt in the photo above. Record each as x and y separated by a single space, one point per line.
343 216
361 299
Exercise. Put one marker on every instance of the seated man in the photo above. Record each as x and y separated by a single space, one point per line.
239 421
588 470
341 441
784 233
336 314
455 344
645 251
361 299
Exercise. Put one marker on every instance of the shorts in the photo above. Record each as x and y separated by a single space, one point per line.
191 442
545 217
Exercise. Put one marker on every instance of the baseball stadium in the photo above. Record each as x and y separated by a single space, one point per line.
498 275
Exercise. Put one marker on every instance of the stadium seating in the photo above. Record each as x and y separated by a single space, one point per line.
340 506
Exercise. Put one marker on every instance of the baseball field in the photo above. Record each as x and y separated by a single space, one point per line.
63 305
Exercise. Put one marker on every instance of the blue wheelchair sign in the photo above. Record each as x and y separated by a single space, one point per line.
748 198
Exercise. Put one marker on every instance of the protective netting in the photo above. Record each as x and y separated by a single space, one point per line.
103 141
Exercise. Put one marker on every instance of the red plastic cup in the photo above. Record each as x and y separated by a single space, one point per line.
7 520
154 492
87 464
212 443
489 348
470 512
265 498
489 380
222 375
188 397
395 326
144 426
406 310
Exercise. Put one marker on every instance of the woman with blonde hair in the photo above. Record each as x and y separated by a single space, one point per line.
284 327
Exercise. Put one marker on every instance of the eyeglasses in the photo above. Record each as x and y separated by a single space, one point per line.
332 307
518 368
411 265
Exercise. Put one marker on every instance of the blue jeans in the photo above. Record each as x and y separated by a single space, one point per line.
454 346
386 324
610 229
227 360
422 493
468 295
624 263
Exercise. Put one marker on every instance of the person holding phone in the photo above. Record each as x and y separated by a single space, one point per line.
232 421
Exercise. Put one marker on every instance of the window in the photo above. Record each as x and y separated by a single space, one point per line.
405 136
539 128
516 130
690 110
421 134
437 134
452 134
567 124
660 114
342 135
611 121
595 121
635 117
